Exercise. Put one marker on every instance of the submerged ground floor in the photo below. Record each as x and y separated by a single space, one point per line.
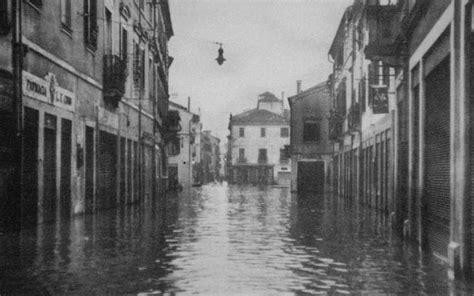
221 239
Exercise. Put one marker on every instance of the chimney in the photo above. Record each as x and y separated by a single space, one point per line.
298 86
189 104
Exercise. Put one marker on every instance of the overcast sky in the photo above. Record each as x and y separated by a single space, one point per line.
268 44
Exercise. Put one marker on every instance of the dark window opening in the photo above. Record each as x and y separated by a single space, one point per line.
262 156
311 131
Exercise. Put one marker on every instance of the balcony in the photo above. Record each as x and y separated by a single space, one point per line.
379 99
241 160
115 75
383 21
336 121
172 123
353 117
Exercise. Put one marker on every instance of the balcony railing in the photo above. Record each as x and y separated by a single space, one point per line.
115 75
353 117
242 160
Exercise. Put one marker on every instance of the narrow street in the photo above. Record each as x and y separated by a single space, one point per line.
220 239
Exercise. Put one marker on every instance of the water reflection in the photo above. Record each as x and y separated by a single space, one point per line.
221 240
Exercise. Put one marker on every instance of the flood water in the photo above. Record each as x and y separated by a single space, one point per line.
221 240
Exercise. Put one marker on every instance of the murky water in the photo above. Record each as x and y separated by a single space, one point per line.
220 240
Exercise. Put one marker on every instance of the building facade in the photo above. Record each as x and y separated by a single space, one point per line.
311 150
407 149
94 99
257 143
210 156
184 158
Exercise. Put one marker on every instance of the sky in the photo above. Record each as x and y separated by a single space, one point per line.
268 46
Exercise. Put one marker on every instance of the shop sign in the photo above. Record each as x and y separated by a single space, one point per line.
48 91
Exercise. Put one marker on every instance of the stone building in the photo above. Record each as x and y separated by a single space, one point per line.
311 149
257 140
413 159
184 151
94 103
210 157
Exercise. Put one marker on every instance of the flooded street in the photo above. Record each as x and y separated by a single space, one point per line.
220 239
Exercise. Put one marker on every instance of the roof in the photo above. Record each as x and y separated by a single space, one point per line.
316 88
181 107
267 97
258 116
340 33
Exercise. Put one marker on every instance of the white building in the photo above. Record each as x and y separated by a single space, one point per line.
257 144
184 152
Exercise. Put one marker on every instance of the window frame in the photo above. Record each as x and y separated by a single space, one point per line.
241 132
287 132
262 152
66 15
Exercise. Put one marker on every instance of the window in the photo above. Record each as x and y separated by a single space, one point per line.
174 147
311 131
90 24
108 31
241 155
4 18
66 14
262 132
284 132
124 44
262 156
138 66
283 156
241 132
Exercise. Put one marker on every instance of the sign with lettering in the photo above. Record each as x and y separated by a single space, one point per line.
48 91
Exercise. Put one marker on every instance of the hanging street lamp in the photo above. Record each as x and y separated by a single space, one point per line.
220 59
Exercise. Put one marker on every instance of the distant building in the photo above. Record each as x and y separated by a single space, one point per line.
257 140
310 147
184 149
210 157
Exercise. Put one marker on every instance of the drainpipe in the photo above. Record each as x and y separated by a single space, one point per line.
140 95
153 181
17 106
